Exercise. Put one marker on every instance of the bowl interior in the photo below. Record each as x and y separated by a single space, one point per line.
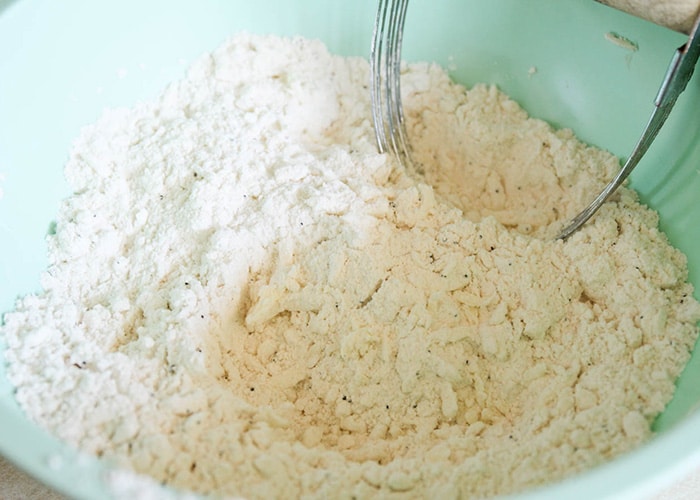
62 63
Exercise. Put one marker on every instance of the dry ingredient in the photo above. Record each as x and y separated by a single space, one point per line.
675 14
244 298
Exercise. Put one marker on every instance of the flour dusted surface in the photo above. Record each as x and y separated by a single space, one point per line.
245 299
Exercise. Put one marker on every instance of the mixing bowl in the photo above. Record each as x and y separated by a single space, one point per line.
61 63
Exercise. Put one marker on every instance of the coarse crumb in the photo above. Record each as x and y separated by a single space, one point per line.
244 298
622 41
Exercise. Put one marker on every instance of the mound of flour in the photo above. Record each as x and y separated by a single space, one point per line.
675 14
244 298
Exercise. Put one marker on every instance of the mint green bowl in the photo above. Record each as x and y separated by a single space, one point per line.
61 63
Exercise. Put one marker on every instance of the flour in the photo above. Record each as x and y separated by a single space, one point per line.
244 298
675 14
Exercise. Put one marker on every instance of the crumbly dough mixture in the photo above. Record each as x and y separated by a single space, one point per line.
244 298
675 14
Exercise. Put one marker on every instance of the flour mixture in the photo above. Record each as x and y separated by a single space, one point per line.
244 298
675 14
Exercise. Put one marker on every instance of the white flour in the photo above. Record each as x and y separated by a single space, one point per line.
245 299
